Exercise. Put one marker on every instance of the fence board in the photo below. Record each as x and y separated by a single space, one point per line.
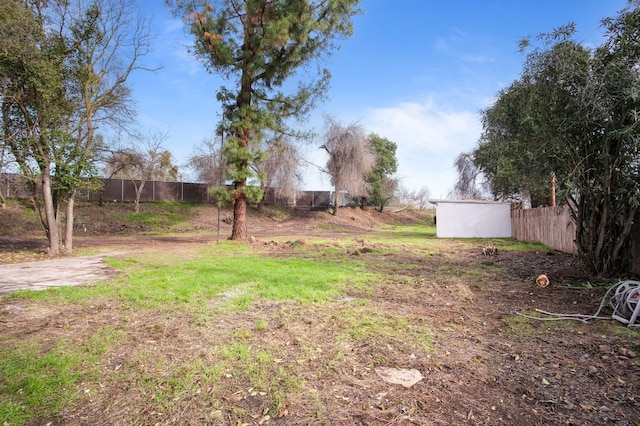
551 226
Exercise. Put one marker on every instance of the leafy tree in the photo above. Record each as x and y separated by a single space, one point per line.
33 102
142 166
351 160
573 115
63 72
381 181
260 45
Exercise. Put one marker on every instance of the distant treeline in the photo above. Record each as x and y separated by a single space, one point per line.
13 186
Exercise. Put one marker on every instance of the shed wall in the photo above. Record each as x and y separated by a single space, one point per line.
473 220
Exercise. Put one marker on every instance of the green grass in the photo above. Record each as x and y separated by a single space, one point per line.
331 227
424 233
157 221
33 382
37 381
407 233
195 280
259 371
365 324
153 282
162 215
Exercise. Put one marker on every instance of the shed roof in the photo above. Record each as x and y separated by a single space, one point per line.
467 202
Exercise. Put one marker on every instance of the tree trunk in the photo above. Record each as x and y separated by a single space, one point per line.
243 132
68 226
261 202
3 201
138 188
50 214
239 230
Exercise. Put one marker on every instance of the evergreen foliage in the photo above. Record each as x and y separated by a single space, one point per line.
259 45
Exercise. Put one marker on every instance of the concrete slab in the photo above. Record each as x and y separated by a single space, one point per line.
55 273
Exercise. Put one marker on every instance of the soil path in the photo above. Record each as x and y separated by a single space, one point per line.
55 273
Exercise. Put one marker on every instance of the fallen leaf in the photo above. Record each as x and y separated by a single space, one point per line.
283 412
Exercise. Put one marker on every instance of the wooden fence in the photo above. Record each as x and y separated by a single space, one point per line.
551 226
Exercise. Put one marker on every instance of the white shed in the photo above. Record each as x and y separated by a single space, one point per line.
472 219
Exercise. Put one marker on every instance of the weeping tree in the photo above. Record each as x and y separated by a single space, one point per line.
279 171
259 45
470 183
351 158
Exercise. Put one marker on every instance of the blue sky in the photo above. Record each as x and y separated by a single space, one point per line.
415 71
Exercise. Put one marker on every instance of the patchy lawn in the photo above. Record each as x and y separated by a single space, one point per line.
294 327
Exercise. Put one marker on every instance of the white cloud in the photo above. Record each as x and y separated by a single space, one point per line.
424 125
478 59
441 44
172 26
429 138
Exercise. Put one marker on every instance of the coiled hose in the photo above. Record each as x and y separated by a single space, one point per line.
625 303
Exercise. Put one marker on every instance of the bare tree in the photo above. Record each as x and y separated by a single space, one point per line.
417 199
280 170
421 198
141 166
207 161
470 184
351 159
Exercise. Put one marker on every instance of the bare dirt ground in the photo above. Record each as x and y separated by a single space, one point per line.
489 366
